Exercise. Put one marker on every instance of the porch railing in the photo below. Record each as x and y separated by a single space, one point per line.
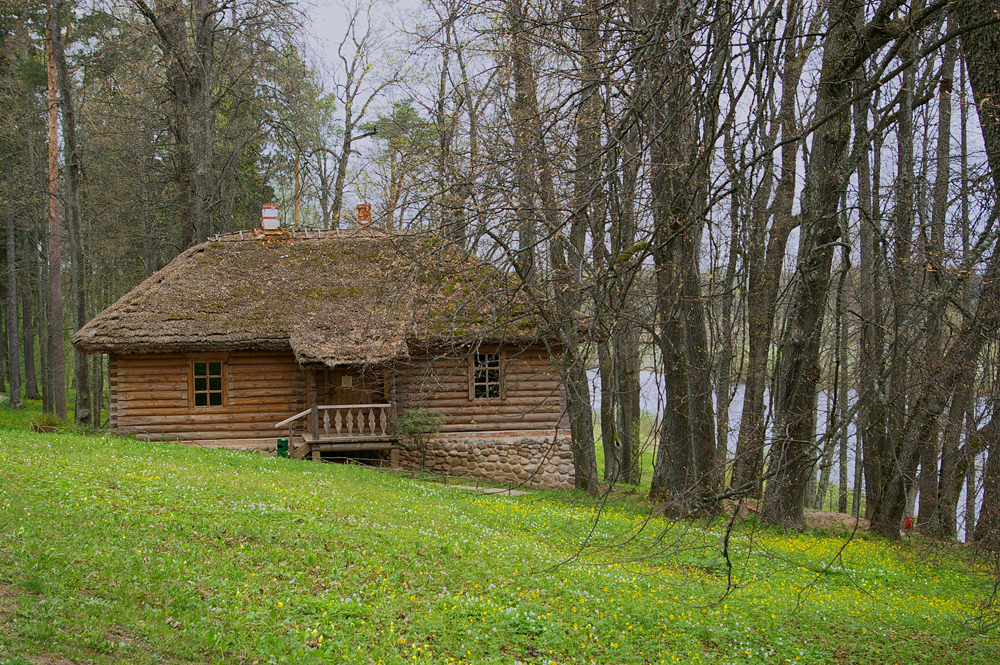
344 421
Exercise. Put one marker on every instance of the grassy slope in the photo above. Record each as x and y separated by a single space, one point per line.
119 551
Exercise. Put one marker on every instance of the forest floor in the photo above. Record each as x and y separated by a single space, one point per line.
119 551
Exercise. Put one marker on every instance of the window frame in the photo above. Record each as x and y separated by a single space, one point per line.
501 375
223 360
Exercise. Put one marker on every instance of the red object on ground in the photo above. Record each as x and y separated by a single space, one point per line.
908 524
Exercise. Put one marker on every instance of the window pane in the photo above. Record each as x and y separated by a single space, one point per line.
486 376
207 386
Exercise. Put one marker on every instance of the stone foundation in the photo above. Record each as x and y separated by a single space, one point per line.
533 461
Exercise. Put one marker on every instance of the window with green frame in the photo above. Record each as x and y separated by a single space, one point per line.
208 383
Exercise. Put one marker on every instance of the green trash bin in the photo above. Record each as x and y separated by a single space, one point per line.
282 447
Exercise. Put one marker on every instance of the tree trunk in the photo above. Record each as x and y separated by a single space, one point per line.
792 454
626 366
191 57
848 45
623 175
842 418
13 357
727 341
297 193
609 394
451 219
982 51
932 491
901 278
205 19
971 492
28 324
764 260
83 406
41 278
581 421
685 467
988 527
987 531
949 483
825 469
55 355
944 377
874 449
566 254
524 118
588 213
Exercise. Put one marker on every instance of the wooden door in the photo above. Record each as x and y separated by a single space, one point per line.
344 386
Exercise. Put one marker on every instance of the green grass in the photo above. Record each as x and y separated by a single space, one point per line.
646 440
118 551
20 419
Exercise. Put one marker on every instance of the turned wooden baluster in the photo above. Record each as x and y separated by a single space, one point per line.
371 420
338 421
350 422
383 419
326 422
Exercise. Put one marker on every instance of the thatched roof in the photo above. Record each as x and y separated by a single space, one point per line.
362 297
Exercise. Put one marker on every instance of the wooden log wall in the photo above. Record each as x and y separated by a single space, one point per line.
151 397
533 396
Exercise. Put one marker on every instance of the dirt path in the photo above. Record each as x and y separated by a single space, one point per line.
489 490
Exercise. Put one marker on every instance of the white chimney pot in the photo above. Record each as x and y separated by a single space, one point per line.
269 217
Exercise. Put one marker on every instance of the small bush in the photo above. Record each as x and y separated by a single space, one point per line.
419 422
420 425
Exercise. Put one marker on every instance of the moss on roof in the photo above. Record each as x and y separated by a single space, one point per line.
353 298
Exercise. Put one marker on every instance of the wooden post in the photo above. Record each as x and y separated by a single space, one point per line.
389 392
314 418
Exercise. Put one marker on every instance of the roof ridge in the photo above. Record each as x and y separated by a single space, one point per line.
362 232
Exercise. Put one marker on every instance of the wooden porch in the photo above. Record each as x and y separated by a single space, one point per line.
347 428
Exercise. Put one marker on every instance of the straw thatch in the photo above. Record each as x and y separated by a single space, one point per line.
354 298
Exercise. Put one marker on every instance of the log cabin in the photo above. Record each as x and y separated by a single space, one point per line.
330 340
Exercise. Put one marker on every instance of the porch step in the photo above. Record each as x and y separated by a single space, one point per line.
354 446
299 450
307 437
314 449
